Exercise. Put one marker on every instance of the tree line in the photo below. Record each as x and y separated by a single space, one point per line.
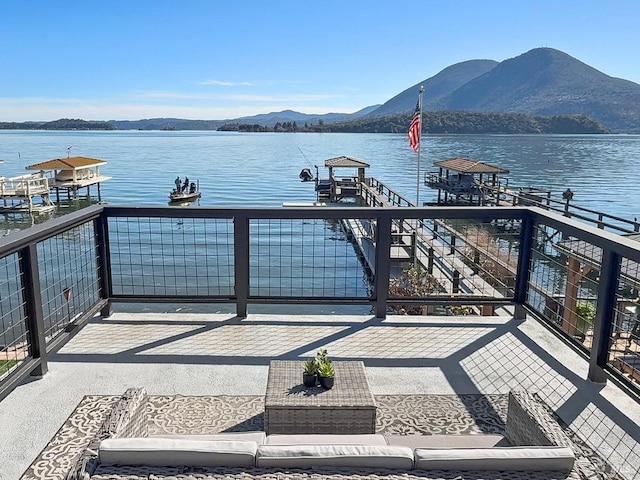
444 122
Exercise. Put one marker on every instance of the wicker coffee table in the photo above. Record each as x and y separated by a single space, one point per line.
290 407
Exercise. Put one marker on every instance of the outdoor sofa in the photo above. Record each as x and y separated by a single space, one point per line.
534 446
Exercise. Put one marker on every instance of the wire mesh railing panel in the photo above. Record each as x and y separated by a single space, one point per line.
563 284
181 257
304 258
69 284
455 258
624 343
14 335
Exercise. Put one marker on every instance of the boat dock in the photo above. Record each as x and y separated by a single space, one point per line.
18 193
72 174
466 259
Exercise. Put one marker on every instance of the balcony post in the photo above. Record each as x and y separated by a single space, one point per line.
383 267
241 258
605 312
33 307
524 267
103 256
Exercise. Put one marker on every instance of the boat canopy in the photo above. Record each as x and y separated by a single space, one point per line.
344 161
69 163
467 165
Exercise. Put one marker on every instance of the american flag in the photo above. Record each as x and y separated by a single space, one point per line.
414 129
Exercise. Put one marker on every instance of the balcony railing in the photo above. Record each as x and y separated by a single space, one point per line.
582 282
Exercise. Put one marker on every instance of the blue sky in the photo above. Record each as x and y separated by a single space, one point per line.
114 59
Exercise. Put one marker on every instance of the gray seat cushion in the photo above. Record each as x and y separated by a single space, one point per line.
447 441
320 439
351 456
258 437
174 452
509 458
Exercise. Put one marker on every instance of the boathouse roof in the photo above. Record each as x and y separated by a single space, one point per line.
69 163
467 165
344 161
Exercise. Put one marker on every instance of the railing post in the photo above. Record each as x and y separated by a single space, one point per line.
383 267
430 258
455 282
33 307
605 311
524 266
103 256
241 258
476 261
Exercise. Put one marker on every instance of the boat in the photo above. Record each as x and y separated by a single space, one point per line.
189 192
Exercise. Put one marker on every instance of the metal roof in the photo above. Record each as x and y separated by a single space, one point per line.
346 162
466 165
69 163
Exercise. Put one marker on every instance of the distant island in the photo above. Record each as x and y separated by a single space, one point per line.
61 124
433 122
445 122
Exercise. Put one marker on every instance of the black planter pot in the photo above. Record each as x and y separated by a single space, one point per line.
309 380
326 382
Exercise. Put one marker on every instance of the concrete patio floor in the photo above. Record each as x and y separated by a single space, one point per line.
216 354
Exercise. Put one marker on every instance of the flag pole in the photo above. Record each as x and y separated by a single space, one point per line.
419 146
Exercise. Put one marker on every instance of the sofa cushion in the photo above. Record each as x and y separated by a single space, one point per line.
354 456
448 441
258 437
328 439
173 452
509 458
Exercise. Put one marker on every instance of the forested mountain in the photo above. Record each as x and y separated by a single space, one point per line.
548 82
435 88
472 123
543 81
61 124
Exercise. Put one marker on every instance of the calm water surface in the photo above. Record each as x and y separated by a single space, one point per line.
262 168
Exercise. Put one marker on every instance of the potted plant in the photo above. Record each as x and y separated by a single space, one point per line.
322 356
309 374
326 375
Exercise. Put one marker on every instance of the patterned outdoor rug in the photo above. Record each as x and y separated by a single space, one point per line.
401 414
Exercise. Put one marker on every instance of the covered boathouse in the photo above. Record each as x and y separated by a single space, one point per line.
334 189
463 180
72 174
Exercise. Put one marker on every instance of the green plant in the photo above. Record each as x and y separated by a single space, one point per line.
585 316
460 310
322 357
326 370
310 367
5 366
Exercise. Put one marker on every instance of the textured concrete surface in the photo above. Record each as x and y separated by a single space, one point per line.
216 354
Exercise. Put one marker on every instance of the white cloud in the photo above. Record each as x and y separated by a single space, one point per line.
226 84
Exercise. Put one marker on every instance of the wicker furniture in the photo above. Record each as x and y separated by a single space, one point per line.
528 423
290 407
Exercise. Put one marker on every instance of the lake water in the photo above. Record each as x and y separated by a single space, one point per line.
262 168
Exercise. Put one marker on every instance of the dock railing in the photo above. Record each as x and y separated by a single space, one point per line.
580 281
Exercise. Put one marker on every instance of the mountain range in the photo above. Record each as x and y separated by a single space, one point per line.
540 82
543 81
